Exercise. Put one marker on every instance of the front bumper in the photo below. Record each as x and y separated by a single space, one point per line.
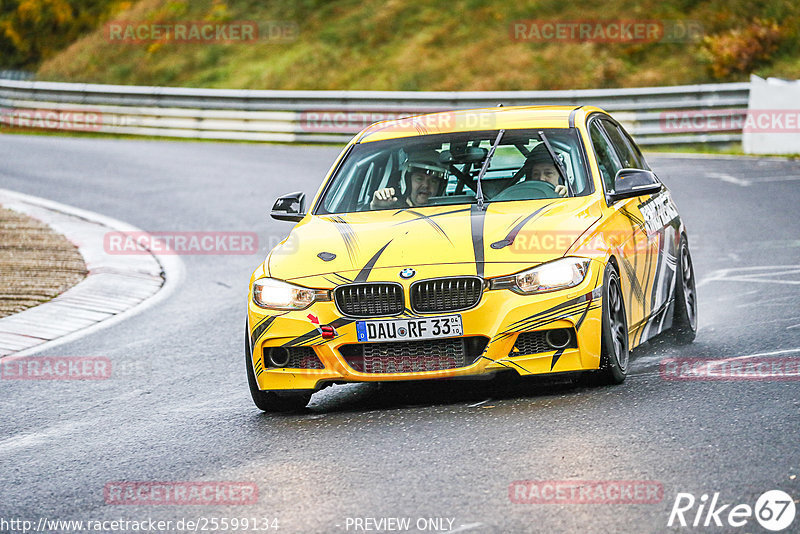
500 316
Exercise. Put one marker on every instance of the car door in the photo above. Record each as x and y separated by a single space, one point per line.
662 225
624 229
658 252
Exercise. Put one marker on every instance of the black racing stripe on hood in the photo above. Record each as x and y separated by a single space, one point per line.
423 217
343 278
407 210
364 273
348 236
509 239
476 218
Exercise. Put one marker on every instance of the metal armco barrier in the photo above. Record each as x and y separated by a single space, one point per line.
653 115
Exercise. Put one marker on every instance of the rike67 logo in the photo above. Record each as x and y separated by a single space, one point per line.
774 510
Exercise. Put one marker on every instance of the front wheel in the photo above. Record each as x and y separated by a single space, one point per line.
271 401
615 353
684 318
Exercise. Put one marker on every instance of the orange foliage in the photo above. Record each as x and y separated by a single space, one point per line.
740 50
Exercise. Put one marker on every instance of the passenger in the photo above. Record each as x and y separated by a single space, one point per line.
423 176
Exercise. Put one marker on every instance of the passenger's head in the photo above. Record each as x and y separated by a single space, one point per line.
541 166
424 176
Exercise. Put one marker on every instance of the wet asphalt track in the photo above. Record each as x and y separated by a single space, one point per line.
407 450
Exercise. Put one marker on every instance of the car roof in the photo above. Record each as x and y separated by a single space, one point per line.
480 119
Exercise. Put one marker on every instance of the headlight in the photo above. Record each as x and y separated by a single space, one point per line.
277 295
558 274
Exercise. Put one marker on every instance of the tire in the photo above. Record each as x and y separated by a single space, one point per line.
615 352
684 318
271 401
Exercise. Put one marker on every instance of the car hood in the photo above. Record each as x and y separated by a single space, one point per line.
505 238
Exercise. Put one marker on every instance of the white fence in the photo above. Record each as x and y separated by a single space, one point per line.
334 116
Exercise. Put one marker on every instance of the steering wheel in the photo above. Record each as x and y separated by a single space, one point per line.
531 190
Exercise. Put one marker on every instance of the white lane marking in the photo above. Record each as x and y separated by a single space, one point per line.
759 280
795 270
729 179
759 354
647 360
751 274
776 179
740 326
59 432
766 303
711 364
793 326
774 301
478 403
746 182
738 296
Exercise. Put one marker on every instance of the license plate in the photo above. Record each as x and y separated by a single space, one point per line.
409 329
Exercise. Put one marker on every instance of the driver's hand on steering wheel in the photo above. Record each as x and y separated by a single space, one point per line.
383 198
561 190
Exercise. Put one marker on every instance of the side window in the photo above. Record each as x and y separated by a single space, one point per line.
635 149
607 159
630 158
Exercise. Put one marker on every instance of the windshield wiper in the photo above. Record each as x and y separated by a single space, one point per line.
558 163
479 191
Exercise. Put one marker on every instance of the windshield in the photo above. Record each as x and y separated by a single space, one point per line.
436 170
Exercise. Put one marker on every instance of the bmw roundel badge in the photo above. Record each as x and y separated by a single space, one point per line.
407 273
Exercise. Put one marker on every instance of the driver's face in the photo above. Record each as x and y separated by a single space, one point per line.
423 186
546 172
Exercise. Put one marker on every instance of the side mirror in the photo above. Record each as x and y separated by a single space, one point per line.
632 183
289 207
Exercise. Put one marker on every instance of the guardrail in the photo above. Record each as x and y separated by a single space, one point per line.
335 116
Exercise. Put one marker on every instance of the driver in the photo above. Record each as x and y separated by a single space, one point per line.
424 177
543 169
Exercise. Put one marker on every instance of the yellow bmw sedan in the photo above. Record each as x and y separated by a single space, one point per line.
456 244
